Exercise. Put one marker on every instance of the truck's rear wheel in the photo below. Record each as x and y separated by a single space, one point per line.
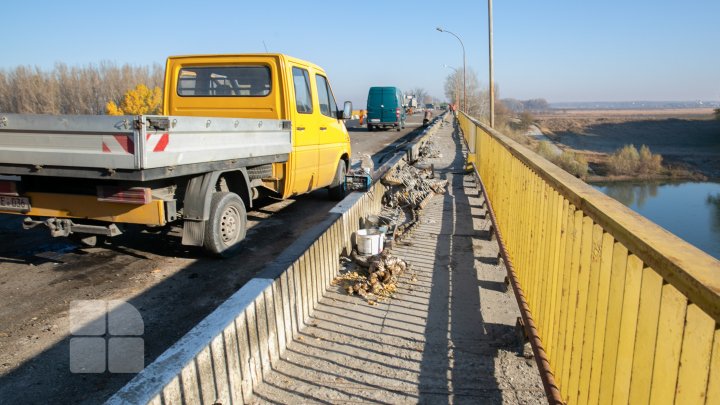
337 189
227 224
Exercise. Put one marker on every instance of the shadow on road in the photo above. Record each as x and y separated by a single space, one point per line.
457 337
172 305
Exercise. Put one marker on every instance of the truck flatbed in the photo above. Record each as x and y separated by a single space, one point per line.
141 148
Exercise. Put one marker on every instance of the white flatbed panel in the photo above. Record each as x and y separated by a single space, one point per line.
66 140
127 142
188 141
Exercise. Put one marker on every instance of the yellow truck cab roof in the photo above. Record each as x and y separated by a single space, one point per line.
229 85
203 58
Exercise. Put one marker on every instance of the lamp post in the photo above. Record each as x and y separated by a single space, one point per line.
463 49
457 83
490 47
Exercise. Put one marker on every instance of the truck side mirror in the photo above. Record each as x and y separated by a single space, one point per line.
346 113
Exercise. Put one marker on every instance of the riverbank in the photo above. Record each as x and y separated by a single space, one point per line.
688 140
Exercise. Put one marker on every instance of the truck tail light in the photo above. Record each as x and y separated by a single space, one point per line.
134 195
8 188
397 112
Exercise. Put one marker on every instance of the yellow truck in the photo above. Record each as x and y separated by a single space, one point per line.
232 125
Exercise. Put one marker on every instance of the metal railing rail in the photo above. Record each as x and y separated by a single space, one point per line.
626 312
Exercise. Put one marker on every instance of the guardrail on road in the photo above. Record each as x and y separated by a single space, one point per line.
626 311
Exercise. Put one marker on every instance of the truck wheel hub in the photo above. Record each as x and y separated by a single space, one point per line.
229 224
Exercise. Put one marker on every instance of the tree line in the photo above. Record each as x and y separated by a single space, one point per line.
72 90
478 98
535 104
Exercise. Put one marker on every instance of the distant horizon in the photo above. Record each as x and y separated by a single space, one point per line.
639 101
711 103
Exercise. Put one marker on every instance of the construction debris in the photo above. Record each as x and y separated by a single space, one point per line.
429 150
410 185
374 278
408 190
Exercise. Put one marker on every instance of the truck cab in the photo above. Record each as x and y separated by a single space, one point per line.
272 86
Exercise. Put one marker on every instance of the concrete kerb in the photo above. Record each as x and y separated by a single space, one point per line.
411 151
225 356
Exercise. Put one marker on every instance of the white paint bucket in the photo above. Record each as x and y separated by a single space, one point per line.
369 241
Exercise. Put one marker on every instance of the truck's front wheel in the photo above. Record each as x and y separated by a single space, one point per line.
227 224
337 189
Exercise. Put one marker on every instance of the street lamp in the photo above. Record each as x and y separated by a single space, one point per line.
457 82
463 49
490 60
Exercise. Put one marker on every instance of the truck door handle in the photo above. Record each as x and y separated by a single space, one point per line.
323 128
300 128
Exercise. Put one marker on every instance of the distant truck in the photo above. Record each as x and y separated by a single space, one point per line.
411 105
232 125
385 108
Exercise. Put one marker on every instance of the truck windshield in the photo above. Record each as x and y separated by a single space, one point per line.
224 81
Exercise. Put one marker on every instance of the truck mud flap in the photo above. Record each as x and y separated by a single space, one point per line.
193 233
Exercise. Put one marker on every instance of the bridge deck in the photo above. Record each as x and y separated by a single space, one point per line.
447 336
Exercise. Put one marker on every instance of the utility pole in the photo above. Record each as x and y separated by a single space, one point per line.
492 83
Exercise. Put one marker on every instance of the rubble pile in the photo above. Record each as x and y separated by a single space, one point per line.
408 186
429 150
408 189
373 278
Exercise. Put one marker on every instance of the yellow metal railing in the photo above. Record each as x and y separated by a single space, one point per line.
627 312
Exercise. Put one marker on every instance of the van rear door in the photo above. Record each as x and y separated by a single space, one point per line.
389 105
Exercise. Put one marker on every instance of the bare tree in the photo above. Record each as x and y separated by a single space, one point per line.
453 87
4 92
420 94
478 104
30 90
72 90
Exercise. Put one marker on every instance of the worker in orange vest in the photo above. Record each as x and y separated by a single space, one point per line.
362 116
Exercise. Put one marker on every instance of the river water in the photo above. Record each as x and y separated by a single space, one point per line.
690 210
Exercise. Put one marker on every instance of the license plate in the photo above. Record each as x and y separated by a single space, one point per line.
21 204
375 120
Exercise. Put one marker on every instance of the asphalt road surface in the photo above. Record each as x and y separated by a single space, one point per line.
173 286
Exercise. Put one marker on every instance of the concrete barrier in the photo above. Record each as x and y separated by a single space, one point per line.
225 356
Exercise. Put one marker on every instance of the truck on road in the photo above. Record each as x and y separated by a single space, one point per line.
232 126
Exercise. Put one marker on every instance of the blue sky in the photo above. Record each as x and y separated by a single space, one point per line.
562 50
